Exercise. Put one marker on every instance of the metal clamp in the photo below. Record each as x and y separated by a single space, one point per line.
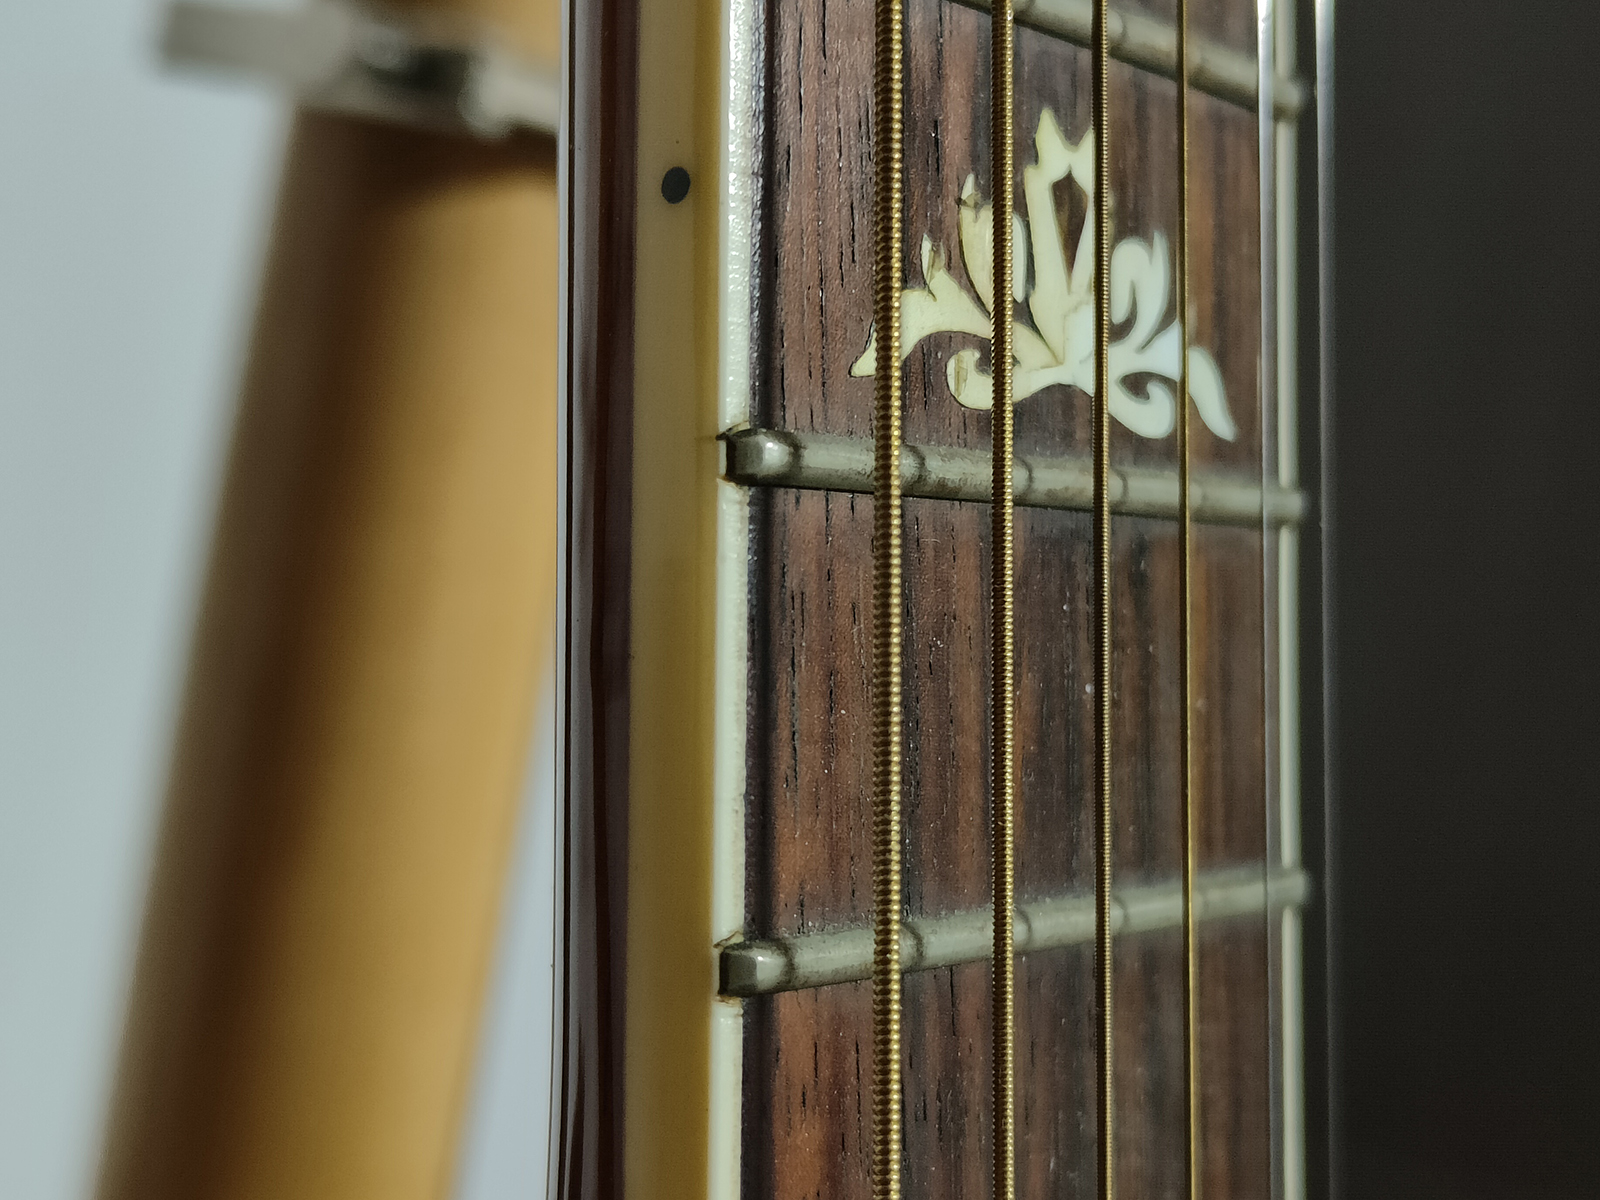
340 57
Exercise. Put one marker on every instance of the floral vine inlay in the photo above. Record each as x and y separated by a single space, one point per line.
1059 345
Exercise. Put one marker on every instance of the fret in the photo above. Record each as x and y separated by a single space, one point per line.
812 960
822 462
1151 44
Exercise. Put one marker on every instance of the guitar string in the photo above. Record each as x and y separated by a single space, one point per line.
1104 1083
887 631
1002 813
1191 1064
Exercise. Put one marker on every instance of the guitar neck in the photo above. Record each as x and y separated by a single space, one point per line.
719 558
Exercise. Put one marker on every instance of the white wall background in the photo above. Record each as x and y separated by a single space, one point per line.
132 211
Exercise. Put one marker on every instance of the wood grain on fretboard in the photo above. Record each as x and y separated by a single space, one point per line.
807 1059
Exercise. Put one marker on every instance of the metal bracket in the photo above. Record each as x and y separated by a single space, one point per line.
337 56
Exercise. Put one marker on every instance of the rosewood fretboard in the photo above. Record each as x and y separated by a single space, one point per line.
801 968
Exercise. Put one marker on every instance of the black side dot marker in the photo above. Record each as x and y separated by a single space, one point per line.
675 185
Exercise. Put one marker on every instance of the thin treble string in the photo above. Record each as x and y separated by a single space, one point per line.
1002 135
1104 1089
1191 1072
887 633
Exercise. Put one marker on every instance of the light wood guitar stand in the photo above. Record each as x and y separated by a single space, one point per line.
375 624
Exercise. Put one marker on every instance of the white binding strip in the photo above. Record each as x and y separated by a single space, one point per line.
1142 41
727 834
813 960
737 188
1291 1000
770 458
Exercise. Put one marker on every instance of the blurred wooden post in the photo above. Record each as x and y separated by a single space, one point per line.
375 625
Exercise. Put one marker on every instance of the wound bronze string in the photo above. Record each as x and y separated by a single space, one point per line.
1191 1065
1002 810
1104 1058
887 631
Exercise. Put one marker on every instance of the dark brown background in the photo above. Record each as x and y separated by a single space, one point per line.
1468 432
